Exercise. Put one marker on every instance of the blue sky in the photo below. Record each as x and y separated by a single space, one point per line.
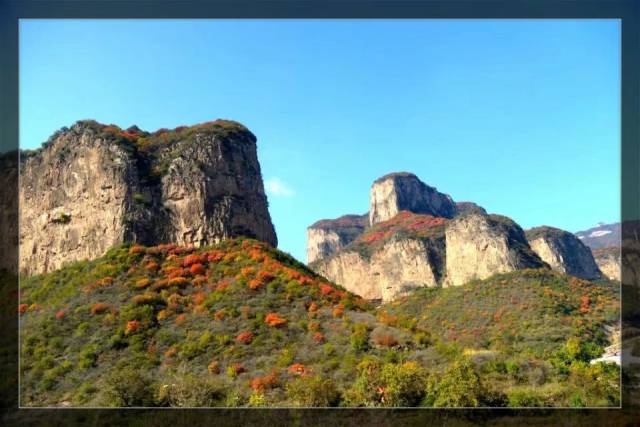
519 116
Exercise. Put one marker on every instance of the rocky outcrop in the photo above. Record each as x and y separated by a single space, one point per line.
601 236
608 260
400 265
400 191
93 186
463 208
328 236
564 252
479 246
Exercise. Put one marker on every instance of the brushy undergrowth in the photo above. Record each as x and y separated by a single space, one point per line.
243 324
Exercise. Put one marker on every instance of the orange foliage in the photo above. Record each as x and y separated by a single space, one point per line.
214 367
388 319
338 310
313 326
199 281
174 272
60 314
244 337
142 283
215 256
197 268
99 307
325 289
132 326
152 266
318 337
254 284
585 301
262 383
170 352
198 298
180 318
178 281
313 307
273 319
162 314
23 308
265 276
137 249
298 369
386 340
105 281
220 314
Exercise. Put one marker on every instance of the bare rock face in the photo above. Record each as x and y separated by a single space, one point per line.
479 246
608 260
390 258
564 252
398 267
395 192
328 236
94 186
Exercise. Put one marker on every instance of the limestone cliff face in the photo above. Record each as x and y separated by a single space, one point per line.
564 252
395 192
328 236
479 246
397 267
92 187
608 260
463 208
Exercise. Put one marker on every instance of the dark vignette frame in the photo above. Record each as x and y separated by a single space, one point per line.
628 11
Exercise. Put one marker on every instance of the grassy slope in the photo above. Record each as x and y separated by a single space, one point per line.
143 326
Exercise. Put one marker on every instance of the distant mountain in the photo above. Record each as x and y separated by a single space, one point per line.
601 236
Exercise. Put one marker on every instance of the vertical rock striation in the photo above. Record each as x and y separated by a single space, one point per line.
564 252
93 186
478 246
399 191
327 236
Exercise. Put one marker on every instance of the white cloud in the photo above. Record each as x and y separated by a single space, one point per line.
277 188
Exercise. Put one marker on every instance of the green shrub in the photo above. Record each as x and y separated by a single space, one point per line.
188 390
359 338
312 391
459 386
128 386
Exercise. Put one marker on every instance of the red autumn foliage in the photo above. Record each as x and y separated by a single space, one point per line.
180 318
22 308
273 319
244 337
260 384
137 249
585 302
220 314
60 314
197 268
265 276
254 284
176 272
152 266
326 289
132 326
198 298
192 259
99 307
318 337
313 307
298 369
215 256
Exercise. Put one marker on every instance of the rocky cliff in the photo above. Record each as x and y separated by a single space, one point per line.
400 191
93 186
479 246
328 236
608 260
564 252
390 258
